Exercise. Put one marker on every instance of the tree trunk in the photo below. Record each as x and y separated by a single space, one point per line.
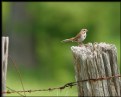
97 64
19 28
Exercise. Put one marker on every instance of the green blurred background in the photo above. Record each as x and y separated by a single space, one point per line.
35 30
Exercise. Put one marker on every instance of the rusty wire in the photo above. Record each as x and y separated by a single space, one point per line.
71 84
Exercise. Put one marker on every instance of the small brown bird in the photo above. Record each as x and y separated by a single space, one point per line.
78 38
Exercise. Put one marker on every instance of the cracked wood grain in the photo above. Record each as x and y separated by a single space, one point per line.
93 61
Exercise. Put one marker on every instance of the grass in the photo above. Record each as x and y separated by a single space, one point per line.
31 84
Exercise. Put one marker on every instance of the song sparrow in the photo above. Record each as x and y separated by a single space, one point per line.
78 38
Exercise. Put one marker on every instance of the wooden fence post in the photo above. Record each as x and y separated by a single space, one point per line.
97 65
5 42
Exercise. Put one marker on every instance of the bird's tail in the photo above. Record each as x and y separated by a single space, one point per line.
68 40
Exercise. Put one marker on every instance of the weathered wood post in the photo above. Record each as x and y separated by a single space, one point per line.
5 42
97 70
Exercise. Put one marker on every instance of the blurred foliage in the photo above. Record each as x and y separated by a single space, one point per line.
51 22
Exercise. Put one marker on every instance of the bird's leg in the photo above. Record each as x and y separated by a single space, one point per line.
80 44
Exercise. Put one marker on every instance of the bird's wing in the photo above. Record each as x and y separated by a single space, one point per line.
77 36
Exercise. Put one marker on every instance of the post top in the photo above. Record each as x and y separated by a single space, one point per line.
90 49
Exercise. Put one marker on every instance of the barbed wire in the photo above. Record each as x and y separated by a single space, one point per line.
18 72
15 91
71 84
